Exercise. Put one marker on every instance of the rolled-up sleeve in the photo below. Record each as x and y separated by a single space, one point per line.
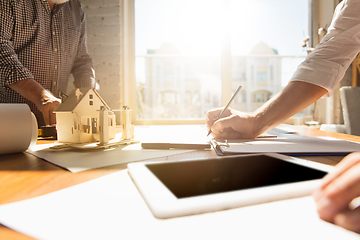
327 64
11 69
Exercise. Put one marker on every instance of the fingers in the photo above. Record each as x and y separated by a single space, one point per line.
212 116
227 133
48 116
224 123
48 112
232 124
52 116
337 195
349 219
345 164
339 189
235 126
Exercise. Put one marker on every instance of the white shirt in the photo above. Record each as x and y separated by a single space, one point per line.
327 64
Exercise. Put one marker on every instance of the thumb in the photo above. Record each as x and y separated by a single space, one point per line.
223 123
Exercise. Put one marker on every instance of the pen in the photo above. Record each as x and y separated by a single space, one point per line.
198 146
227 105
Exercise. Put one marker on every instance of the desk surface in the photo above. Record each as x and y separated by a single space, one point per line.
24 176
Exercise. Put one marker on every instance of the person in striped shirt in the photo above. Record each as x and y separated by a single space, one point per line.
42 42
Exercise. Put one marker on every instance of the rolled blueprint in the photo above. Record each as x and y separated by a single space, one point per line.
18 128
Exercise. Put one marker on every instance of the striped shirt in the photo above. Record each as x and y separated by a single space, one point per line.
45 45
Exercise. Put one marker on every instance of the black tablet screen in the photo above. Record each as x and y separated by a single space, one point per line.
200 177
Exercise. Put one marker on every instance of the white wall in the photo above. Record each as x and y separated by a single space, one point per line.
103 32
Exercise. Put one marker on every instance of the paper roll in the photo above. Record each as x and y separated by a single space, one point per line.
18 128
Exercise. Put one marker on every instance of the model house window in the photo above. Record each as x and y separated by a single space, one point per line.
94 125
85 122
193 54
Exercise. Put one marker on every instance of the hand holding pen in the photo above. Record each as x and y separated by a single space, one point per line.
227 106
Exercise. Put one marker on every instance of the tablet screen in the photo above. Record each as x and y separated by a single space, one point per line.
201 177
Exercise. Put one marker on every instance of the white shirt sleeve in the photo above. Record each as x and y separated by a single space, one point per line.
327 64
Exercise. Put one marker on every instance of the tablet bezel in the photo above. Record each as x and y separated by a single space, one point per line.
164 204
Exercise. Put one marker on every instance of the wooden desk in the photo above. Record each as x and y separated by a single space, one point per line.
23 176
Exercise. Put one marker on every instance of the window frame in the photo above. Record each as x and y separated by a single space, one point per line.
127 72
127 57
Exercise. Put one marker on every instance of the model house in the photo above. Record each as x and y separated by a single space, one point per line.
84 117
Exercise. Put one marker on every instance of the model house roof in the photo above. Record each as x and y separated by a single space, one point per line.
75 97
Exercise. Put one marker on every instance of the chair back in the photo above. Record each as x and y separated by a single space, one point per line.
350 101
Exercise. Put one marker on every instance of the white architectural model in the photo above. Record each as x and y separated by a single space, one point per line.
84 117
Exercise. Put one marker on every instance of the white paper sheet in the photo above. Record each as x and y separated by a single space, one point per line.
77 160
290 144
110 207
18 128
82 160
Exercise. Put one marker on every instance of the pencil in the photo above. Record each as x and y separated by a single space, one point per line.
227 105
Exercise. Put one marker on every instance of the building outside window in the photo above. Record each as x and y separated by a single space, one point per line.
195 53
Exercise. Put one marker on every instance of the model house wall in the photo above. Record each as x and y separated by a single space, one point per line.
78 117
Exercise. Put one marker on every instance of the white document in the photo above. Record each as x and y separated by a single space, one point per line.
111 207
286 144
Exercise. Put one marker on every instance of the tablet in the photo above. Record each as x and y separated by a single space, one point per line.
179 188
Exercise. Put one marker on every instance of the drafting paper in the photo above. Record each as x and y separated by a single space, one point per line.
111 207
77 160
80 160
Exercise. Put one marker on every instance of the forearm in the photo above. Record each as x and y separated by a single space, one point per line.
295 97
43 99
31 90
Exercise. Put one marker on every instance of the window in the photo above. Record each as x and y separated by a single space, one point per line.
85 122
261 97
190 55
261 75
94 125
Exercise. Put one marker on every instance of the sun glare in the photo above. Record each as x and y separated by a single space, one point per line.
194 27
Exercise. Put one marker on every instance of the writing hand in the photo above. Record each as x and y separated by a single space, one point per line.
233 124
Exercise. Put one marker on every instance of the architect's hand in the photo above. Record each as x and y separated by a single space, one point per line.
43 99
295 97
47 106
232 124
337 191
